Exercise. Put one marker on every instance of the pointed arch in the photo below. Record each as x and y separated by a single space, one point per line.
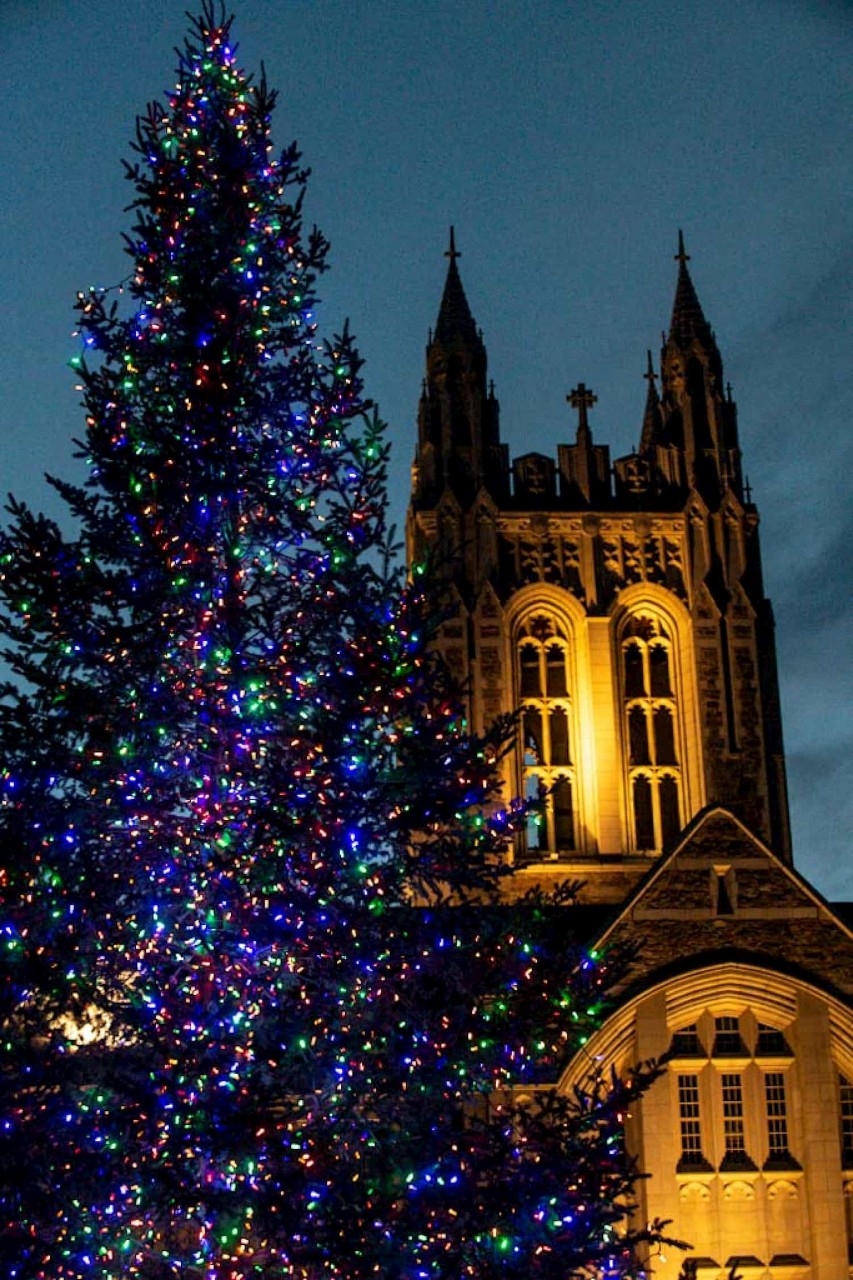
548 661
773 1109
655 679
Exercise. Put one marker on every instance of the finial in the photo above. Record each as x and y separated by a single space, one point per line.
452 253
582 399
681 256
650 375
747 491
729 392
491 388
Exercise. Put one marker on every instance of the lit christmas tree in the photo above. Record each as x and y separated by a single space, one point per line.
259 1018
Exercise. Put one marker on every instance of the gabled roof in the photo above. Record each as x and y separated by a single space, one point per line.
720 894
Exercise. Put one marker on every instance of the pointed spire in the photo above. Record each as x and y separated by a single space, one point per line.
650 376
651 417
454 314
688 320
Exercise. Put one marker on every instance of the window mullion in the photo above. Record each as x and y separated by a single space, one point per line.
655 783
547 754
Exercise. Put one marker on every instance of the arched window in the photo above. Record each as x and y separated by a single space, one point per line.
734 1084
650 712
546 729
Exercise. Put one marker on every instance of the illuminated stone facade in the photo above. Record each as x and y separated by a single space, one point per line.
620 611
744 976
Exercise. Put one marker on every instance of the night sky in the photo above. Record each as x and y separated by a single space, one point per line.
567 142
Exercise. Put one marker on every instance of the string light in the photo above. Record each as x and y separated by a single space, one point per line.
249 1035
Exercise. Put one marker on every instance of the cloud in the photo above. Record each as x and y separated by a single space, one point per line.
815 587
822 810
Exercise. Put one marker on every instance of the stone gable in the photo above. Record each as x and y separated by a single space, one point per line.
767 916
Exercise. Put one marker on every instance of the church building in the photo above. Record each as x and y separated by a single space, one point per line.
619 609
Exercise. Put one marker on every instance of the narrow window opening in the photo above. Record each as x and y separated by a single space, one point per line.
545 736
734 1132
643 815
638 736
659 671
529 662
534 817
664 736
690 1125
556 684
559 737
724 902
670 820
635 685
650 728
533 735
778 1153
564 824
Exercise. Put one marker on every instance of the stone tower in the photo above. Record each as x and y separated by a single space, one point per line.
619 609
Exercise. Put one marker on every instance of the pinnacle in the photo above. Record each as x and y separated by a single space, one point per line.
651 417
454 314
688 320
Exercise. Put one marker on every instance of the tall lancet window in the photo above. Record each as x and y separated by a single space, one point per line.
651 731
547 735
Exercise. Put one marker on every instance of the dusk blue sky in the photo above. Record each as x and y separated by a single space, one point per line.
567 142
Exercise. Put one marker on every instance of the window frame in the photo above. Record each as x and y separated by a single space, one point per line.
646 701
544 631
743 1128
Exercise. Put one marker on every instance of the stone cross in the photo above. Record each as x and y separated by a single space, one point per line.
582 399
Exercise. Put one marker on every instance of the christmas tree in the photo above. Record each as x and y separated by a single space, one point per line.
263 1015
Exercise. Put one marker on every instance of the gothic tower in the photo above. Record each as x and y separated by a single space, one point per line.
620 610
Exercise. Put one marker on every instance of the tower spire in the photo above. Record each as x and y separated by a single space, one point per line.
459 448
688 319
454 314
695 415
